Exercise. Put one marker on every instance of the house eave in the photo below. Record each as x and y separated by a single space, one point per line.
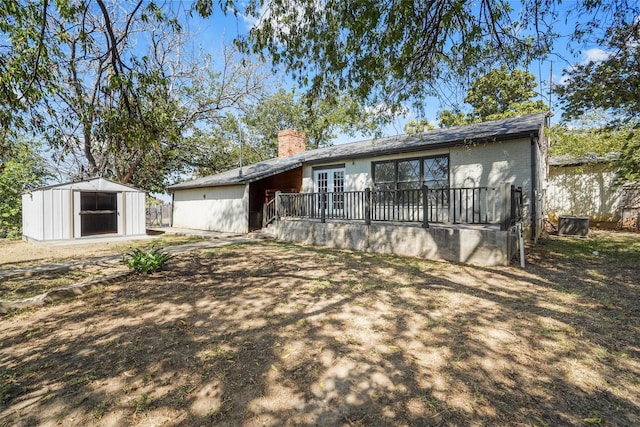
427 147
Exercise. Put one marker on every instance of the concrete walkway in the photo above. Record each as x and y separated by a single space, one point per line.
210 240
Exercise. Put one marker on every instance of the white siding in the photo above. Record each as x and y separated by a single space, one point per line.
488 165
32 226
77 226
56 214
584 190
134 213
214 208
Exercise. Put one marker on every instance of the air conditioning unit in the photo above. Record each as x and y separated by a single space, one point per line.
573 226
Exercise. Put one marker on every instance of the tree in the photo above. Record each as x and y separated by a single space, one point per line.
606 83
397 51
417 126
24 60
498 94
321 120
124 110
611 85
256 129
21 169
586 136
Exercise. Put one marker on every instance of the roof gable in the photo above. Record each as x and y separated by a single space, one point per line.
93 184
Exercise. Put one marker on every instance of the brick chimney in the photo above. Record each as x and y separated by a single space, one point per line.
290 143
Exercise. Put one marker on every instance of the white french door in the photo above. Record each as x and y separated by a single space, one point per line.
331 182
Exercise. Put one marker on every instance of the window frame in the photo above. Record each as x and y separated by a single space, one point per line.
421 159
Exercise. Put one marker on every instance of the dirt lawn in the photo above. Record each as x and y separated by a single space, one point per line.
268 334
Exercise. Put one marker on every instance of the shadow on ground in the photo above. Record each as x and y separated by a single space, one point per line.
275 334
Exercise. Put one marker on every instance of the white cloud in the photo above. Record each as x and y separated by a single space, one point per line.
595 54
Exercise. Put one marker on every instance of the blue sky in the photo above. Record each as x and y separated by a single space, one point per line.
209 36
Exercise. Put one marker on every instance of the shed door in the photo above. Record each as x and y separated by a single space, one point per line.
98 213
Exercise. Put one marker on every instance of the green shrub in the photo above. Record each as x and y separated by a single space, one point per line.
147 261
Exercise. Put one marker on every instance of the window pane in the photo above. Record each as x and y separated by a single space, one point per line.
412 185
338 181
408 170
323 181
385 186
384 172
338 187
436 172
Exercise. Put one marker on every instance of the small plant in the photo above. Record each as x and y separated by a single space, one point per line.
99 410
147 261
142 404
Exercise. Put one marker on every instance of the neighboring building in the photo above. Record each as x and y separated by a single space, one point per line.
464 169
79 209
586 187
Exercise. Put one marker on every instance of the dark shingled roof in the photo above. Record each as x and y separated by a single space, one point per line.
497 130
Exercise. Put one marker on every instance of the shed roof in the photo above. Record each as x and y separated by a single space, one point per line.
92 184
496 130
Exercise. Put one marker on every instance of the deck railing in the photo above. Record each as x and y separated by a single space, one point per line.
466 205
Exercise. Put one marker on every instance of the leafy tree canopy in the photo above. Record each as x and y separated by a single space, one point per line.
611 85
417 126
321 120
256 129
21 169
496 95
396 51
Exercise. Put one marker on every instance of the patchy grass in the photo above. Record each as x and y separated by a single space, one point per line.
620 248
280 334
25 287
18 254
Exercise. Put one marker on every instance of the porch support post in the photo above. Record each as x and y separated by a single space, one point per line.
505 212
367 206
425 207
277 212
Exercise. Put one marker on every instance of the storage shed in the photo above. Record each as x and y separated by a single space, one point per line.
74 210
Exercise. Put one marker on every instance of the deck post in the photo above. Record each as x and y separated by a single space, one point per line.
505 195
367 206
425 207
277 213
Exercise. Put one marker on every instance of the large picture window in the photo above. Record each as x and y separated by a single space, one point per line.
407 174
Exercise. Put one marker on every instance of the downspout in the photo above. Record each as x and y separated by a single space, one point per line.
534 184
